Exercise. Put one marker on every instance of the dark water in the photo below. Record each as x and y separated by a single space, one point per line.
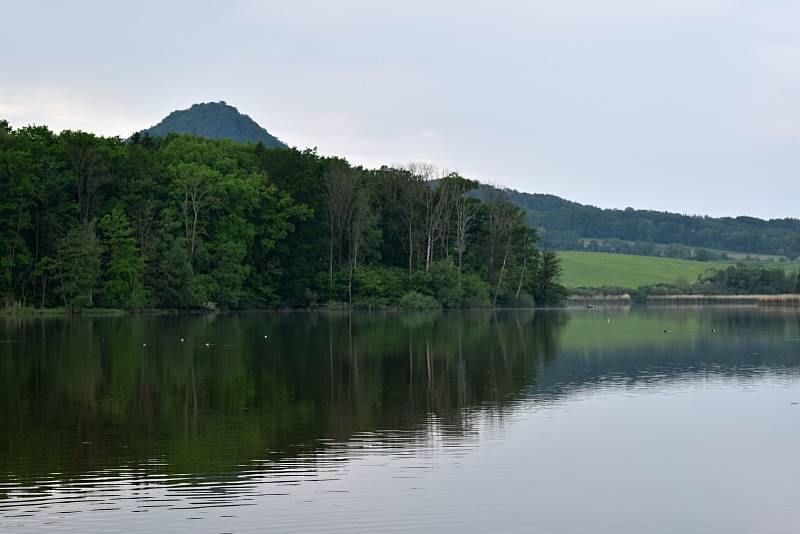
656 420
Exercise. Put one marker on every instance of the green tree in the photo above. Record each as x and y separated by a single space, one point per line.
170 275
78 266
546 288
123 266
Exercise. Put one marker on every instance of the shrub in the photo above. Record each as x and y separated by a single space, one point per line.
420 281
474 292
414 300
378 286
523 301
444 283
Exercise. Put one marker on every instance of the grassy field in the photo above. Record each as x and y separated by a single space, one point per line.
732 255
598 269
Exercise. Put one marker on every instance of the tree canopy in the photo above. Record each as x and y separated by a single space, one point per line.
184 222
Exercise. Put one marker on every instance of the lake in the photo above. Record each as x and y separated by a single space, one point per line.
595 420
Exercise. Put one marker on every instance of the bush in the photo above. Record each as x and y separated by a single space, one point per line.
420 281
474 292
369 303
444 283
414 300
378 287
523 301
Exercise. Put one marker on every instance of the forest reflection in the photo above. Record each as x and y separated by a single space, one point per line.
205 394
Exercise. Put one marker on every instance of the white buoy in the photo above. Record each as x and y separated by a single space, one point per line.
144 344
265 337
181 340
208 344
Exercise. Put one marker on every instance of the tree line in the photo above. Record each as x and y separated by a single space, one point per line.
738 279
184 222
569 225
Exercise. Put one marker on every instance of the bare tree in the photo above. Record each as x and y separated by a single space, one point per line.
358 221
501 219
435 198
449 187
194 180
340 184
410 188
527 240
88 163
465 211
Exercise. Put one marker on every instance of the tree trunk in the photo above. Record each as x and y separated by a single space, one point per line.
194 225
521 276
331 258
428 254
410 247
460 258
502 271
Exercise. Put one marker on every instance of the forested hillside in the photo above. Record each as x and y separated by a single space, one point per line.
568 225
182 222
214 120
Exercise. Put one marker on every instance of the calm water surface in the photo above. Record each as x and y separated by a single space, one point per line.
652 420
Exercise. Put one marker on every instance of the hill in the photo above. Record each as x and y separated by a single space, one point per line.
214 120
567 225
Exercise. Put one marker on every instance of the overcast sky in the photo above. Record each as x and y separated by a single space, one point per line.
678 105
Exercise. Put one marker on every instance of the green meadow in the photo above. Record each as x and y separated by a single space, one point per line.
603 269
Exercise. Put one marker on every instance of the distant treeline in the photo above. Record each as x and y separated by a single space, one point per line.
641 248
568 225
739 279
188 223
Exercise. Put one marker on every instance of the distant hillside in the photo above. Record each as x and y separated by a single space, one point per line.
567 225
214 120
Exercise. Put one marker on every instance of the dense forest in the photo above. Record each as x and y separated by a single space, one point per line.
183 222
566 225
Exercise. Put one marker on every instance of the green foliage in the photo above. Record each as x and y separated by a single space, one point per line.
414 300
379 287
78 267
571 226
123 266
421 282
170 275
546 287
475 293
193 223
444 283
745 279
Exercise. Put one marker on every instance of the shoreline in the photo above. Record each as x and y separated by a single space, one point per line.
790 300
757 300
